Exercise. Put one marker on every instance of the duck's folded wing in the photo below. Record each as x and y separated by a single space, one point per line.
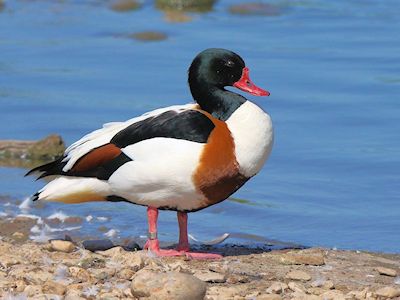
100 153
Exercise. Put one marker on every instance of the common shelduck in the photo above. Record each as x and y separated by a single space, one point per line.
182 158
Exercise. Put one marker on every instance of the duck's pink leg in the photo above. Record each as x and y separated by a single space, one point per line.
152 243
183 245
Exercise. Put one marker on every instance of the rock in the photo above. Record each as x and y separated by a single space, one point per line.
209 276
179 266
298 275
38 276
315 258
30 153
19 285
45 297
19 235
316 291
62 246
386 271
388 292
253 295
126 273
134 260
54 288
8 261
98 245
296 287
237 278
225 292
125 5
170 285
92 261
328 285
32 290
81 274
73 295
113 295
131 246
277 288
333 295
269 297
359 295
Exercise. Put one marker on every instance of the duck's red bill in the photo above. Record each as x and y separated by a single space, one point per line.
246 85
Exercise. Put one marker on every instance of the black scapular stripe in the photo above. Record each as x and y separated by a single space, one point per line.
103 171
189 125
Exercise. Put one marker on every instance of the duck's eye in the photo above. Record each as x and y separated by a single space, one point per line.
229 63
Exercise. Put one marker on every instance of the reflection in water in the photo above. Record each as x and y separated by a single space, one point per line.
261 9
176 16
149 36
186 5
125 5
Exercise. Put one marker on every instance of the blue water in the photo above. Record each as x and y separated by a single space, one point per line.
333 70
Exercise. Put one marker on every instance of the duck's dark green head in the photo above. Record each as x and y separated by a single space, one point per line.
217 68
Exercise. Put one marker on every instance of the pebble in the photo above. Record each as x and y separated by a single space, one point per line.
126 273
209 276
18 235
237 278
298 275
304 296
269 297
386 271
224 292
388 292
359 295
19 285
54 288
170 285
333 295
277 288
316 291
62 246
79 273
296 287
32 290
98 245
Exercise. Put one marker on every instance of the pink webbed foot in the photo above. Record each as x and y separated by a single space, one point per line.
154 246
182 250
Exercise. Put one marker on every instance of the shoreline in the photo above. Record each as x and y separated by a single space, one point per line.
64 270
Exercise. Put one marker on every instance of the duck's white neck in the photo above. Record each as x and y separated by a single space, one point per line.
252 132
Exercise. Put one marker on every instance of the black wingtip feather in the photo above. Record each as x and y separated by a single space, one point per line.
35 197
52 168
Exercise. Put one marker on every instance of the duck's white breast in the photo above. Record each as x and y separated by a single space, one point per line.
253 134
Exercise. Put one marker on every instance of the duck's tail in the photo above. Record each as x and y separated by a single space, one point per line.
73 190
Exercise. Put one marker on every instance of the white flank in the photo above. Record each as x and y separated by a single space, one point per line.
103 136
62 187
253 134
160 173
